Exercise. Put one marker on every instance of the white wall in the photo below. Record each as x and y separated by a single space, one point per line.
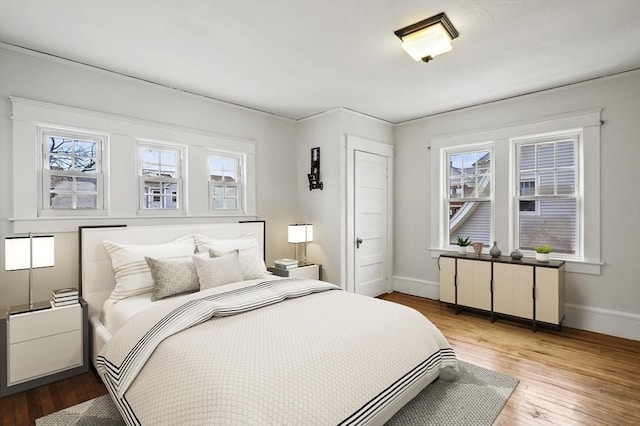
609 302
326 209
41 78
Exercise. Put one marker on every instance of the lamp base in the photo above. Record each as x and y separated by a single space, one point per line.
29 307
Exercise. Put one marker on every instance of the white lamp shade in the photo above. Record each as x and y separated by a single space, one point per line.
430 41
300 233
17 252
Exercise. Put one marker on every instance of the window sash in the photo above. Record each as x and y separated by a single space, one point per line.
475 201
226 183
557 219
161 189
68 199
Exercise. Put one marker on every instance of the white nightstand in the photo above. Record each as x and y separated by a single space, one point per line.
44 346
308 271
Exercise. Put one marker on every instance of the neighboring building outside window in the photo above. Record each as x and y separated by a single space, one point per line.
469 194
161 170
72 172
225 182
547 178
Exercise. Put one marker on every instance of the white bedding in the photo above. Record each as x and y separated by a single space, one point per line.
116 314
325 358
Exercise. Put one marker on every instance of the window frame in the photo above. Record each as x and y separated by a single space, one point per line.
179 181
589 121
445 198
578 195
240 184
44 132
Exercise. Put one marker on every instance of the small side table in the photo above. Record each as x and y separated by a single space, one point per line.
42 347
307 271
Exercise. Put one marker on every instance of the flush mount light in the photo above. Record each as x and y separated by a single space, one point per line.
426 39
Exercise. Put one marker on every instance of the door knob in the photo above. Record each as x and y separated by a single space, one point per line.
358 242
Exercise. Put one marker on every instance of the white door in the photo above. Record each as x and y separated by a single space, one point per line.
370 223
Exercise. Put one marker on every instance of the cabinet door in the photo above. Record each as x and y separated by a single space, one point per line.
447 277
465 282
482 285
474 284
550 294
522 291
502 289
513 290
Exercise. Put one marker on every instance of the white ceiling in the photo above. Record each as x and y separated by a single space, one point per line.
296 58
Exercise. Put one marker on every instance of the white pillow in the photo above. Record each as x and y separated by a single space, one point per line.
217 271
130 269
251 263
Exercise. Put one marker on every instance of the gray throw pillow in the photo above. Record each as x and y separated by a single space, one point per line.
217 271
172 276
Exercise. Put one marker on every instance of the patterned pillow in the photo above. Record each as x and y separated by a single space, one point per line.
172 276
249 254
130 269
217 271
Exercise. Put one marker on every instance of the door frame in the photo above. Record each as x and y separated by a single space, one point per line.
357 143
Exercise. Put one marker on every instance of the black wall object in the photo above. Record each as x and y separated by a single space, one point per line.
314 176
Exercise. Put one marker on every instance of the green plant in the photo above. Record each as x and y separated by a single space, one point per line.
543 249
463 242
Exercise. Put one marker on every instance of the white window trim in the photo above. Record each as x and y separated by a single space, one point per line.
123 131
445 199
44 174
181 168
587 120
578 196
241 186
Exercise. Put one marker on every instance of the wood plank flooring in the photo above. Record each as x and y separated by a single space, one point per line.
568 377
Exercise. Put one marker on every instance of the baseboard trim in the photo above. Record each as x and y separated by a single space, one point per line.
415 287
605 321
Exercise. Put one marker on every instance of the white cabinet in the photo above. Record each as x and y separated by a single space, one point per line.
43 346
526 289
307 271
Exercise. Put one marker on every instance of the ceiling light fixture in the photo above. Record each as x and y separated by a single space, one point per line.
426 39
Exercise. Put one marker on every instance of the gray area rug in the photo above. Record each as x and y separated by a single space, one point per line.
472 396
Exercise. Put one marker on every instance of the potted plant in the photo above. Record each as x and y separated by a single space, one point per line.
542 253
462 244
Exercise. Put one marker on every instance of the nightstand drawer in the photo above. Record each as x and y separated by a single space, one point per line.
34 325
44 356
307 271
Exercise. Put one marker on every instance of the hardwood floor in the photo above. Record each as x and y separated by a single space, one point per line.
568 377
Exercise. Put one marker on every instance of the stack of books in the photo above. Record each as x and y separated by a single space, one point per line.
64 297
285 263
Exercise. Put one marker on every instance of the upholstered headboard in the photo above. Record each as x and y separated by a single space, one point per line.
96 272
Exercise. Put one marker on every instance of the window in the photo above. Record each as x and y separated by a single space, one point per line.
469 195
225 182
546 178
545 187
72 178
161 178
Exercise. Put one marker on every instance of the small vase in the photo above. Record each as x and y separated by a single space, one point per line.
516 254
462 249
477 249
495 251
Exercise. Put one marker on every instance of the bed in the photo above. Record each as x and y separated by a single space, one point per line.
256 350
